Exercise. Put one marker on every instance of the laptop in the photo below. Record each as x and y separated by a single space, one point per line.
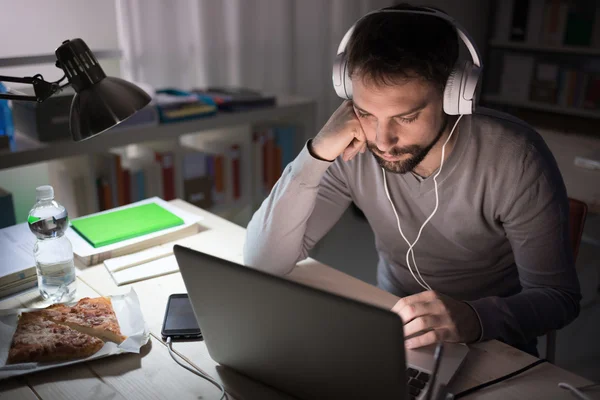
307 342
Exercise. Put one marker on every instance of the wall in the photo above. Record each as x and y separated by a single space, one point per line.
36 27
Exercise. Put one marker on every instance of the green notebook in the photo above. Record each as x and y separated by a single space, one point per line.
116 226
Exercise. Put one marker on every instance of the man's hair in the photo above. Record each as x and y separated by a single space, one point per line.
388 48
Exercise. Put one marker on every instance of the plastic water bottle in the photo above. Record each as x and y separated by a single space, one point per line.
7 127
53 252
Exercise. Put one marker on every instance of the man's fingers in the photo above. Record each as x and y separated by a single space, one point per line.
353 149
415 310
423 297
425 339
424 323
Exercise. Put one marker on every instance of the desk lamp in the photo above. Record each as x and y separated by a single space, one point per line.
100 102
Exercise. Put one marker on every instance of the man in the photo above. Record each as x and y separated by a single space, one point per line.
496 253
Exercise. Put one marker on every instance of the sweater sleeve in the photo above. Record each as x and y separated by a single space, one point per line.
309 198
534 214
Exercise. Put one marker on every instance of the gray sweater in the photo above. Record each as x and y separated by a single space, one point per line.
499 240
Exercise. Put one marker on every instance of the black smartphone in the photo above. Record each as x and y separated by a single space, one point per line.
180 321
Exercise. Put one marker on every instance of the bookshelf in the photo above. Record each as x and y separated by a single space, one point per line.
543 55
542 65
533 105
300 111
68 159
529 47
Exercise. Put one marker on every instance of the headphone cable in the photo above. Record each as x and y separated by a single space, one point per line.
410 251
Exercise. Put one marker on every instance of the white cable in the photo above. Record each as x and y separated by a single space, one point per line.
410 251
200 374
573 390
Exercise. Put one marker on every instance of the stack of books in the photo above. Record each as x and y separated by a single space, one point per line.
16 257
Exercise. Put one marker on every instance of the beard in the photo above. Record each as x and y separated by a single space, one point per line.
417 152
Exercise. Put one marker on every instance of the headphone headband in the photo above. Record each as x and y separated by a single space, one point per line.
461 85
462 33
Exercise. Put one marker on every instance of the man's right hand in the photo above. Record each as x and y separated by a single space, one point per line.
342 134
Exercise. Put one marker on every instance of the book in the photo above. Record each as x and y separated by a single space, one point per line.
18 286
117 226
502 25
518 27
534 21
236 99
166 162
284 138
88 255
592 93
544 86
257 167
16 254
517 76
7 213
197 184
554 23
235 172
579 23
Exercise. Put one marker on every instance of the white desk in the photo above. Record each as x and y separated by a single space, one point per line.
153 375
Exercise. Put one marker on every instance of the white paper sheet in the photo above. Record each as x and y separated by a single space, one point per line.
152 269
128 312
83 248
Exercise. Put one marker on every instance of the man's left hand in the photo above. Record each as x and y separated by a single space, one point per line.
431 317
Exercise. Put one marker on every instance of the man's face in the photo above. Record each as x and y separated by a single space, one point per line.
401 122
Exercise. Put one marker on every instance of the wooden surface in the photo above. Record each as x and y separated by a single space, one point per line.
153 375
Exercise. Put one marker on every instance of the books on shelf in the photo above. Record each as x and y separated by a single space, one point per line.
272 150
549 22
545 80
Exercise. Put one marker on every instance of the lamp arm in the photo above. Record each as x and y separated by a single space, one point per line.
42 89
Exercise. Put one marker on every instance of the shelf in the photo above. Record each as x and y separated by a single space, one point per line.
578 112
51 58
581 50
29 151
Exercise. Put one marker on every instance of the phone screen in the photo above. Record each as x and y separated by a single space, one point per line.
180 319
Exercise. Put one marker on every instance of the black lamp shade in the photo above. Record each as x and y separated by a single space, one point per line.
103 105
100 102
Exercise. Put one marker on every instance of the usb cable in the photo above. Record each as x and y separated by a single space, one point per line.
194 371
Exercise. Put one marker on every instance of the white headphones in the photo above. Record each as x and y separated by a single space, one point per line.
459 92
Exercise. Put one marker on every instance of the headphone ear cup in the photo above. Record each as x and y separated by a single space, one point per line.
342 84
452 90
459 93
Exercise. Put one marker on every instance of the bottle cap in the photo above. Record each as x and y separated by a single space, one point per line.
45 192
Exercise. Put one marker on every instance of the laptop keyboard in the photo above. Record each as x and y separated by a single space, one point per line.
417 380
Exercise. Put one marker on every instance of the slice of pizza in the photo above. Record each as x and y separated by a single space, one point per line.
38 339
94 316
